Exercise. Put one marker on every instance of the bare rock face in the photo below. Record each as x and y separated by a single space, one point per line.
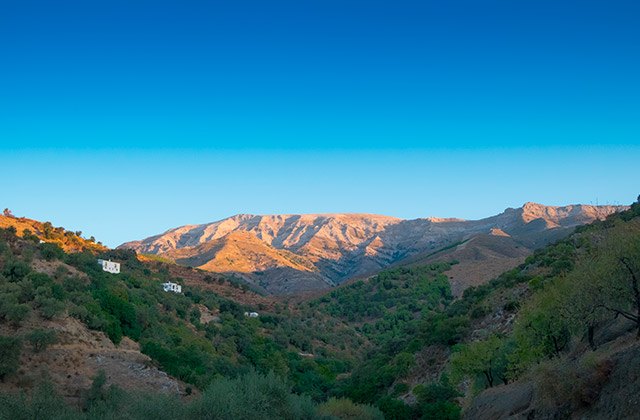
293 253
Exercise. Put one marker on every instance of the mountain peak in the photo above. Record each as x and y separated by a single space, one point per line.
333 247
572 214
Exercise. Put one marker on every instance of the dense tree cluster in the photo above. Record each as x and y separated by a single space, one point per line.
248 397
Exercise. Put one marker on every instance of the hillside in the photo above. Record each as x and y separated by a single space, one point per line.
571 350
295 253
147 340
480 259
552 338
44 231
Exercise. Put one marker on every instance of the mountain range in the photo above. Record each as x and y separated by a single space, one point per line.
287 254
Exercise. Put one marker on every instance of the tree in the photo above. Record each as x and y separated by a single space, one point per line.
15 312
542 328
15 270
27 235
486 358
610 277
50 251
7 213
47 230
41 339
97 392
10 349
437 401
49 307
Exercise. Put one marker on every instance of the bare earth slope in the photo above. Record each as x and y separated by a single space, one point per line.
480 258
293 253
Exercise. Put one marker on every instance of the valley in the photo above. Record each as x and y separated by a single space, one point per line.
527 313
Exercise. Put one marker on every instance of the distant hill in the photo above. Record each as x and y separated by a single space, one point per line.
294 253
480 258
44 231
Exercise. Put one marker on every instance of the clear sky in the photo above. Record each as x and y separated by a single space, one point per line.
126 118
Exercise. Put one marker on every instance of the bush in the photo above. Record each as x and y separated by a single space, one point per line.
252 396
574 382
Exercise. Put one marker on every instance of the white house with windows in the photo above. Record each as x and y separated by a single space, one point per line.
109 266
251 314
171 287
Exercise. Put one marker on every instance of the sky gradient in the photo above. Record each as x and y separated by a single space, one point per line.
124 120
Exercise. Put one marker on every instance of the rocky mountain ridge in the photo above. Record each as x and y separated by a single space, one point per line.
291 253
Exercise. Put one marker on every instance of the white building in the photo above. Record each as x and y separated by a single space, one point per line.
172 287
110 266
251 314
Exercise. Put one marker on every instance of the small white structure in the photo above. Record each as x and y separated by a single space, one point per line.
251 314
172 287
110 266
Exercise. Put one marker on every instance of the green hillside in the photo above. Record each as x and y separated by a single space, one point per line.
396 344
167 326
497 333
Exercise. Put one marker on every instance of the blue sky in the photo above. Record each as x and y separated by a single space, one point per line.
124 120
